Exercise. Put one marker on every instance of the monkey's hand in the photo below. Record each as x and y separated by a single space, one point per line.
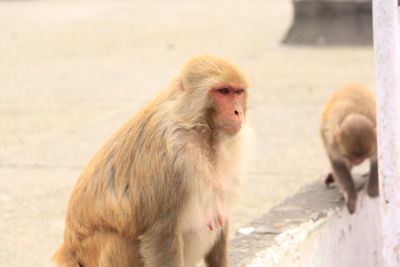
351 201
373 191
329 180
373 182
373 186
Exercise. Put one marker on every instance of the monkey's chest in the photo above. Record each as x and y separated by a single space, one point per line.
203 222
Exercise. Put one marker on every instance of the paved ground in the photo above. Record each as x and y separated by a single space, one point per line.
72 71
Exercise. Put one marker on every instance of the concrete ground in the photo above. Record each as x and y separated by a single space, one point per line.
71 72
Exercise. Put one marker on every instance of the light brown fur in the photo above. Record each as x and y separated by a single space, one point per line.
148 193
347 126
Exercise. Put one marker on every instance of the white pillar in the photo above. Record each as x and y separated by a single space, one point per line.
386 46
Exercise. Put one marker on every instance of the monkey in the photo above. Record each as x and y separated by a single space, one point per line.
159 192
348 131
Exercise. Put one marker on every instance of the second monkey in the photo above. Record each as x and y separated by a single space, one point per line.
348 131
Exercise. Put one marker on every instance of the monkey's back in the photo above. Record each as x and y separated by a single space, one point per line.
113 189
348 99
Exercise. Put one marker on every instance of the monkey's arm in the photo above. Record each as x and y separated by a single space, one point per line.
343 176
373 183
218 256
162 245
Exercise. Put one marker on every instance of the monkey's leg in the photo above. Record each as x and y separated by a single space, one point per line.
65 257
218 256
117 252
162 245
346 183
373 182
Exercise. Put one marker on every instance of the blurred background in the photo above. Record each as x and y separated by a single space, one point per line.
71 72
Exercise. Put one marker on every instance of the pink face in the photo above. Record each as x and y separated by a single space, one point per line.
230 105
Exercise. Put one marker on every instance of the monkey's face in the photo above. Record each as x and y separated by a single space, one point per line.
357 146
355 158
229 105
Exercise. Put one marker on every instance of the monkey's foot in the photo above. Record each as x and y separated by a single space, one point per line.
329 180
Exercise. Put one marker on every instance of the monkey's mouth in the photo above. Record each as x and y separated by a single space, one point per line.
231 128
357 161
232 125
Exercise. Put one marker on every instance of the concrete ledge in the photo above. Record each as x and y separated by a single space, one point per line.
331 22
311 228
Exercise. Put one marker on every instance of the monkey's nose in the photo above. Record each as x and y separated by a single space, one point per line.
237 113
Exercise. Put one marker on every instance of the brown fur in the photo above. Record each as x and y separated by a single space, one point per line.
146 196
347 125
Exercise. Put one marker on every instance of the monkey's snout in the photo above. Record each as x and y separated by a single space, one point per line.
237 113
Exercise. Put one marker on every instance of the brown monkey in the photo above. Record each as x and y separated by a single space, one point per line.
158 193
348 130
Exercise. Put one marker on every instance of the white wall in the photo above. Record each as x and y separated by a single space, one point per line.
339 240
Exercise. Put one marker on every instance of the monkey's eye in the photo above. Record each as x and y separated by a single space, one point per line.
239 91
223 91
